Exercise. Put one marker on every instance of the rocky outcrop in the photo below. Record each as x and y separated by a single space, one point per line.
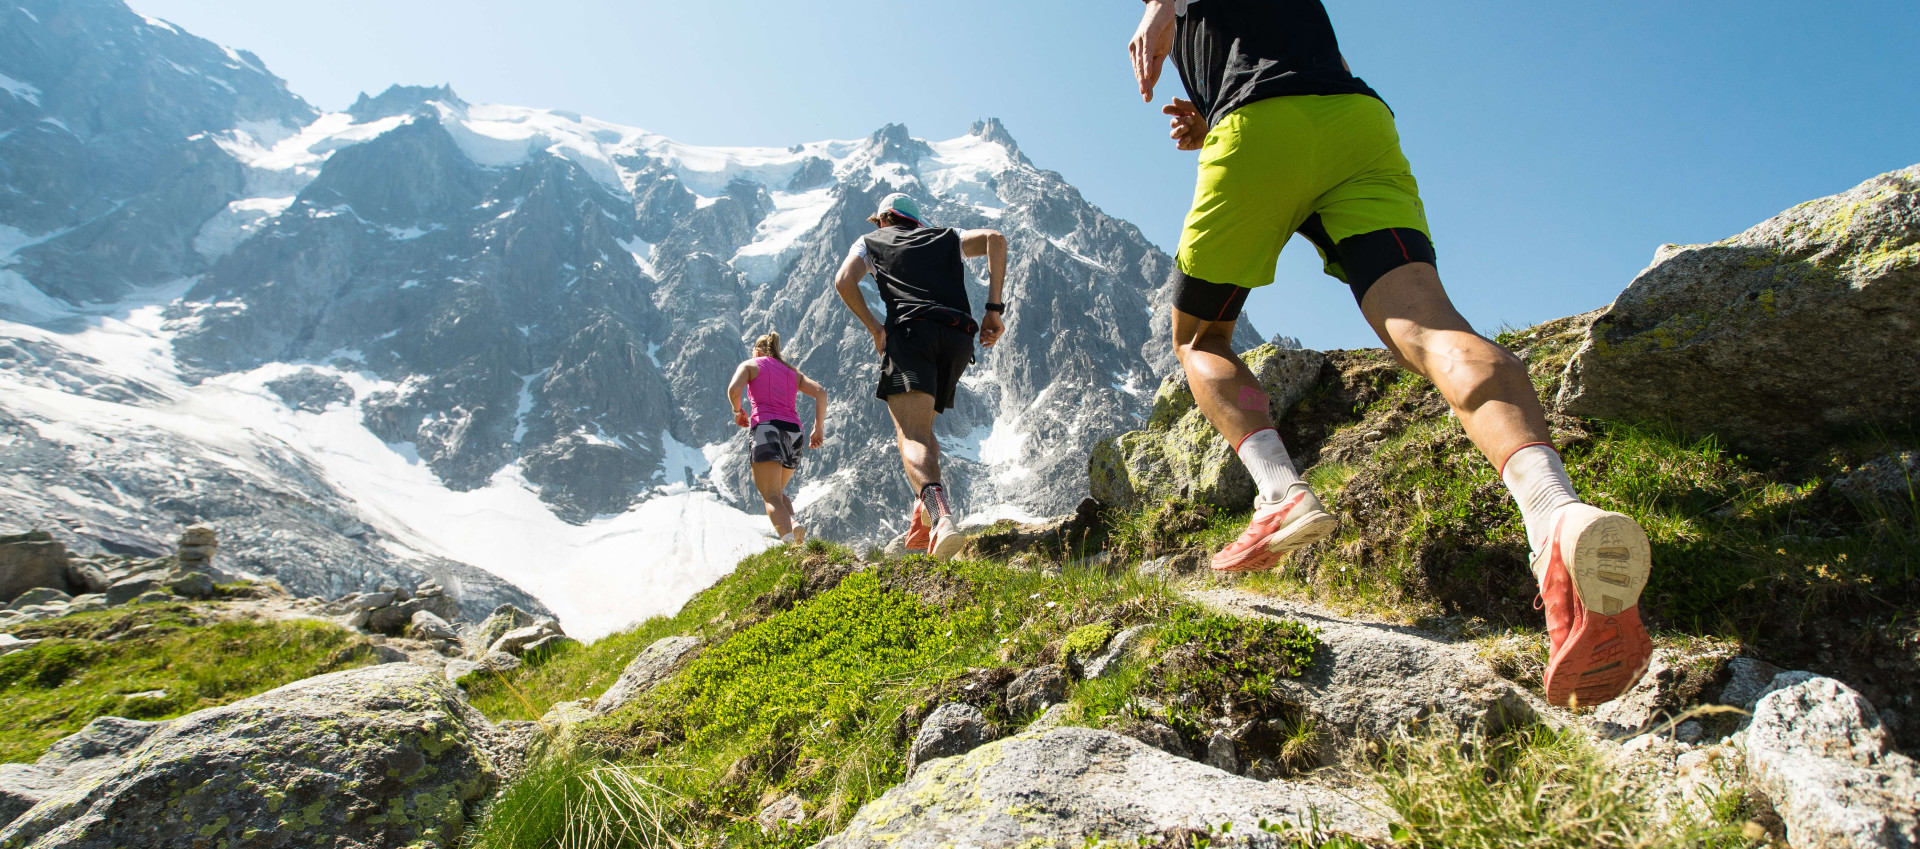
385 756
1179 454
97 748
1817 749
647 669
1374 681
1036 789
32 560
1682 344
954 728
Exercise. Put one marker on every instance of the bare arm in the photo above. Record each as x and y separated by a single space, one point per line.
993 246
847 283
819 395
747 371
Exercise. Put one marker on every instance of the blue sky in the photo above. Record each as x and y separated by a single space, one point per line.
1557 144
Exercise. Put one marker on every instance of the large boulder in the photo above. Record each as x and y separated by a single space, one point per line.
647 669
954 728
385 756
1180 454
1373 681
1065 785
1812 311
1816 748
504 618
29 560
100 746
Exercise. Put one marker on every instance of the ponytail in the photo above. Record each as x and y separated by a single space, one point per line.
768 346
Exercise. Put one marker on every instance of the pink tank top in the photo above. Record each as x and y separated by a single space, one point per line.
772 391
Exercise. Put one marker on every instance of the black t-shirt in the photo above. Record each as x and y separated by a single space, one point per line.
1233 52
920 273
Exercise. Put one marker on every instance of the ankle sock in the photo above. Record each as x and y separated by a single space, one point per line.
933 496
1272 469
1538 481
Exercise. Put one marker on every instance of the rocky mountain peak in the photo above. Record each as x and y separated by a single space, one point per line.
403 100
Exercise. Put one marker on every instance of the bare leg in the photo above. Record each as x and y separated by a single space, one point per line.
1486 385
770 478
799 530
1218 377
913 425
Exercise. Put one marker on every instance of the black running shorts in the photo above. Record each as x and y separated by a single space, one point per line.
924 356
778 442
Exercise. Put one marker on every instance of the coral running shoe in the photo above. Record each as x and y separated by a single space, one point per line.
1299 521
945 540
918 531
1591 573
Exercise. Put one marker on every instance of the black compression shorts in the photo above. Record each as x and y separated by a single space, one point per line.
924 356
1365 258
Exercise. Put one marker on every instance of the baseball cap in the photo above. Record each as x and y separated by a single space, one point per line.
899 204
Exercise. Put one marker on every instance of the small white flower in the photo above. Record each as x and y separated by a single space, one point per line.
1052 604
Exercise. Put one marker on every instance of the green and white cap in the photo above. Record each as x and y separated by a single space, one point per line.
899 204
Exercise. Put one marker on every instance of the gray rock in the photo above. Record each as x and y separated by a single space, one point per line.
30 560
128 589
1052 717
1372 681
1036 689
1844 270
1222 754
1747 681
21 787
1158 735
504 618
1115 651
311 391
954 728
1180 454
190 584
97 747
647 669
155 596
1042 789
367 601
39 595
10 644
427 626
388 654
87 578
788 810
1887 475
1817 750
393 739
499 662
1642 705
458 669
516 641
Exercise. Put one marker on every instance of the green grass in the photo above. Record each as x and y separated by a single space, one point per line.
169 651
1537 789
814 692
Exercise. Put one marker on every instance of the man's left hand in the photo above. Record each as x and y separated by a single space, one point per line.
990 329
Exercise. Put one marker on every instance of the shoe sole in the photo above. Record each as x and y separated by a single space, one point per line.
799 535
1609 649
947 546
1312 527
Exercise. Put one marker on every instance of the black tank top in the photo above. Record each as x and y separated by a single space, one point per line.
920 274
1233 52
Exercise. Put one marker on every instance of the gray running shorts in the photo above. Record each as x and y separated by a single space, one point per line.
773 443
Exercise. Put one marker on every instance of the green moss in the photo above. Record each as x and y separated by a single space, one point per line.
56 688
1087 639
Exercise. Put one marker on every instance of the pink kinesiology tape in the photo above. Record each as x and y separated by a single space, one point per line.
1253 400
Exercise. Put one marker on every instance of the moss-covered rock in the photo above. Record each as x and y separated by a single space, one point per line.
386 756
1796 329
1180 454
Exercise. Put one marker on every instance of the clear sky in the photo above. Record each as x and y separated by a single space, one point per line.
1557 144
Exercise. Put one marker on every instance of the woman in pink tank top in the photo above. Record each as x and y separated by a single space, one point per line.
774 434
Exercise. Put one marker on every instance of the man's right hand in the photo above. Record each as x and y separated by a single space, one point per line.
879 340
1150 45
1189 127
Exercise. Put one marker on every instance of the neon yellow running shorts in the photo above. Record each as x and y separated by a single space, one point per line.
1326 166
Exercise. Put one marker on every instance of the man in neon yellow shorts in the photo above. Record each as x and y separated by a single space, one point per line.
1292 142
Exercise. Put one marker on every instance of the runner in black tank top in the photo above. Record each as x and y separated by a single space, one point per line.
1295 143
926 343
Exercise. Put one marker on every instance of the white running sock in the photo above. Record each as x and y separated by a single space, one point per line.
1272 469
1538 481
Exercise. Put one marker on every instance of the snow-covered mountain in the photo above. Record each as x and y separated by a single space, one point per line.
423 335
